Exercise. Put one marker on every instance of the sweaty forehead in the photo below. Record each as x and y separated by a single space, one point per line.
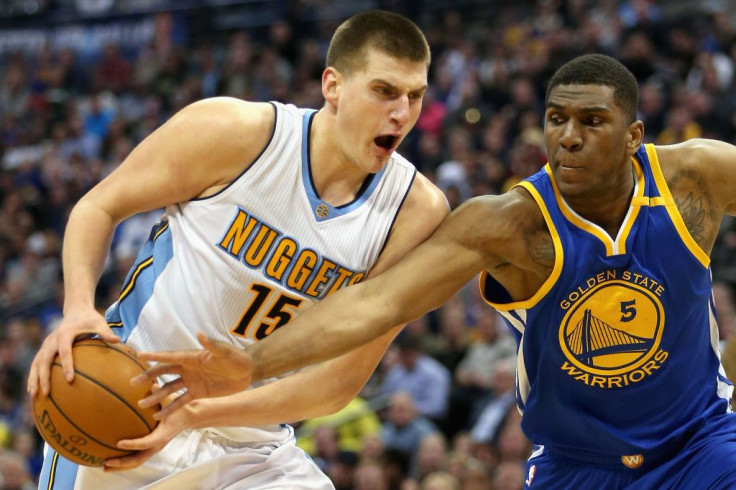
582 96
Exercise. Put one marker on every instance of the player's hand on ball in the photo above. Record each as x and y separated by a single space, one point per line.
148 445
60 341
217 370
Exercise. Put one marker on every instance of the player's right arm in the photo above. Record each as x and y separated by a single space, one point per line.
197 152
499 234
482 234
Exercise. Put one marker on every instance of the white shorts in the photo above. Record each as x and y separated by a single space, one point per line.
200 460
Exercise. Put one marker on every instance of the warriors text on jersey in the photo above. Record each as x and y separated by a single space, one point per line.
241 263
618 351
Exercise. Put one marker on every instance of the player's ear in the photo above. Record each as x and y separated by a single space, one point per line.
331 80
635 136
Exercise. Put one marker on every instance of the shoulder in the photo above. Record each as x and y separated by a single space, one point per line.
422 211
228 117
702 166
216 138
426 198
500 215
498 227
700 155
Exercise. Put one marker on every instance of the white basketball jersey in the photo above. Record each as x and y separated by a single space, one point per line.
241 263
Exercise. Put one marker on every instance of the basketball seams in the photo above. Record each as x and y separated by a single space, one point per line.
103 386
81 431
115 395
113 348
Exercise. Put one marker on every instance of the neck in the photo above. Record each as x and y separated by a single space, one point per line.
608 208
336 178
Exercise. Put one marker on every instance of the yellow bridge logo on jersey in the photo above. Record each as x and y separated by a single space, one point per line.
612 330
260 246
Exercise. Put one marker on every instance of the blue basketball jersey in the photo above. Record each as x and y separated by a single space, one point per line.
618 359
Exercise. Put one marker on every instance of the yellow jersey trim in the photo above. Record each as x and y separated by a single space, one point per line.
161 230
52 471
672 210
637 201
556 270
134 277
613 247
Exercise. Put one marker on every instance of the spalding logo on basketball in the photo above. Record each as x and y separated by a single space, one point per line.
84 420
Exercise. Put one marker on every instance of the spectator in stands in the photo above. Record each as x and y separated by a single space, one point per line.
405 428
370 476
426 380
491 417
353 423
475 375
430 458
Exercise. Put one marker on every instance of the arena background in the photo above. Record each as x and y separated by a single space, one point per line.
83 81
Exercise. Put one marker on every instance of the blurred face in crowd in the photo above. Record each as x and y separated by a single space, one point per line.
408 358
370 477
376 106
402 410
588 139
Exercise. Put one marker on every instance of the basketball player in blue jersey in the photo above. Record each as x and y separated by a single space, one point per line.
600 265
268 209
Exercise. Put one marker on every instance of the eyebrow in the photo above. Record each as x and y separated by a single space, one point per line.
396 87
594 108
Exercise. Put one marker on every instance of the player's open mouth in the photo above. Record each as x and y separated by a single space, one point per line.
386 141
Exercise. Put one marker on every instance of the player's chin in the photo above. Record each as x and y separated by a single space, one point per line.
375 164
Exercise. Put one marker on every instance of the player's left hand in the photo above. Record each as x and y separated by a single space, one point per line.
148 445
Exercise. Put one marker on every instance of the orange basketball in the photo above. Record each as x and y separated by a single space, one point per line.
84 420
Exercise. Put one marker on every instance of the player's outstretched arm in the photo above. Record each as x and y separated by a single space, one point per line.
332 384
221 369
465 244
351 317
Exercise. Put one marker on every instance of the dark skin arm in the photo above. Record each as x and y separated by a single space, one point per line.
505 235
701 175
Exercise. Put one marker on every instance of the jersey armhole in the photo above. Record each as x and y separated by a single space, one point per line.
671 207
548 283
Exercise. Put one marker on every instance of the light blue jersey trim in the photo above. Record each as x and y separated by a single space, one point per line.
57 473
314 200
138 288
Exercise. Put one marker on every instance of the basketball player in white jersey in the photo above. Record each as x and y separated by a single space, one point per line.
269 208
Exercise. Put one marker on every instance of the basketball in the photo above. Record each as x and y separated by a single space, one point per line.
84 420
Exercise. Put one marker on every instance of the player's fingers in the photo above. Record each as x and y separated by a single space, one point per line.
160 394
203 339
216 347
43 361
32 384
175 357
172 407
128 462
64 343
150 374
109 336
146 442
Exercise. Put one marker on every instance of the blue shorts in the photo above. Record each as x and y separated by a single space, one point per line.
706 462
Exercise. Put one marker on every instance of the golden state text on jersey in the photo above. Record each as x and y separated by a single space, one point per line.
612 329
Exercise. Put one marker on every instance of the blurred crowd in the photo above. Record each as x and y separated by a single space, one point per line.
439 412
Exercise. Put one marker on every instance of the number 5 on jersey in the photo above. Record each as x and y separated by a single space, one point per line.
280 312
